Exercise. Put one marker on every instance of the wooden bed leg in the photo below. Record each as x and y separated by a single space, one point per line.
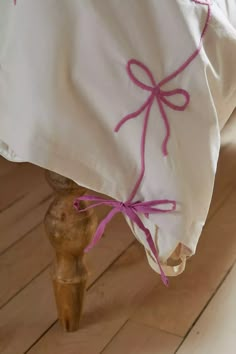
69 233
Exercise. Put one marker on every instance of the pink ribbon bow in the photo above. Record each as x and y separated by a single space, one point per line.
158 94
131 210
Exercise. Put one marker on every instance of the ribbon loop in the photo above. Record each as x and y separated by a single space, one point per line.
144 68
176 92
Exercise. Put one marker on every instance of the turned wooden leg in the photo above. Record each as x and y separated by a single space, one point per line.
69 233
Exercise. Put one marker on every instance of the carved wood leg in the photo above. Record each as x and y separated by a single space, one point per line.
69 233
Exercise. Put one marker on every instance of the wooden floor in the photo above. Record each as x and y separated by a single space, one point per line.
127 309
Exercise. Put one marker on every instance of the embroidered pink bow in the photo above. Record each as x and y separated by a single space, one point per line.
161 96
131 210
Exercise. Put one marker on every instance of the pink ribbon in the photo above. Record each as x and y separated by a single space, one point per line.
158 94
131 210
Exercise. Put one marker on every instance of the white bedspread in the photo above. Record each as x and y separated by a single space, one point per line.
64 87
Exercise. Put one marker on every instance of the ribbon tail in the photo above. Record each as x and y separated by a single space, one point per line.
167 126
91 198
77 206
135 218
134 114
100 230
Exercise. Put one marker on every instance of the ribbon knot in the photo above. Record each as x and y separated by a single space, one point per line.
132 211
161 96
123 206
157 90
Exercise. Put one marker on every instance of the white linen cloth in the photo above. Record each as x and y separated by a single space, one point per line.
64 87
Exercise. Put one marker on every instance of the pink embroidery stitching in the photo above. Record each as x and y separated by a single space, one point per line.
161 98
129 208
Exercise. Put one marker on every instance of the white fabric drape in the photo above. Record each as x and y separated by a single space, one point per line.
64 87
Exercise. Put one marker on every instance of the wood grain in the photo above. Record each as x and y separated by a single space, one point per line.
69 233
7 167
215 331
27 316
17 185
23 216
135 338
23 262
